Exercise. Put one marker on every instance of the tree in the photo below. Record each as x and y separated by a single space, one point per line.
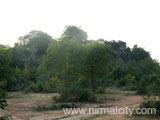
5 76
139 54
117 72
19 55
6 71
145 71
98 56
27 54
73 32
31 48
64 60
26 76
120 50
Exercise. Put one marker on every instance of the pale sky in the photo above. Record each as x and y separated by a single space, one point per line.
132 21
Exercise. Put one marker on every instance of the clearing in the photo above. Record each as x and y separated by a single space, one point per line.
21 106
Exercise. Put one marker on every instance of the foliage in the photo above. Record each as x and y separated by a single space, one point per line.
58 106
139 54
98 55
76 67
3 102
73 32
151 103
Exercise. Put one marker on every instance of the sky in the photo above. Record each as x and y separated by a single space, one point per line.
132 21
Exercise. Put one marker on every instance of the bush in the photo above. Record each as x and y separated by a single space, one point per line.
151 103
3 102
6 117
59 106
56 98
86 95
100 90
78 94
142 87
35 87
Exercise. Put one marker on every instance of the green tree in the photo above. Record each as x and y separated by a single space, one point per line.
31 48
5 76
98 56
120 50
27 54
6 71
73 32
26 76
139 54
63 60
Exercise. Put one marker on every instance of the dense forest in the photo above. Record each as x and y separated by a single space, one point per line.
75 67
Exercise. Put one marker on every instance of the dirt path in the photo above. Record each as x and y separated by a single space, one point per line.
130 101
125 100
21 106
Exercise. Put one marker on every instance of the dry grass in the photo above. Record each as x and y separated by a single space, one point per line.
21 106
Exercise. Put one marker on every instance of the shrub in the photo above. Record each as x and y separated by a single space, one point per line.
59 106
100 90
151 103
79 94
86 95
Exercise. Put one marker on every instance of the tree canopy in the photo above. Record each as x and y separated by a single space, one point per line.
74 66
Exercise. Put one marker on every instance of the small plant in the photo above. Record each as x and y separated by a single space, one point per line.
5 117
59 106
56 98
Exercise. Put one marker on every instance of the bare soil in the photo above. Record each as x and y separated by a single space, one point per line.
21 106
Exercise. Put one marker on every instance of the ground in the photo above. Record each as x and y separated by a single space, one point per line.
21 106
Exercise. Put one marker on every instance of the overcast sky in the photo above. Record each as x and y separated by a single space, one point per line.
133 21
